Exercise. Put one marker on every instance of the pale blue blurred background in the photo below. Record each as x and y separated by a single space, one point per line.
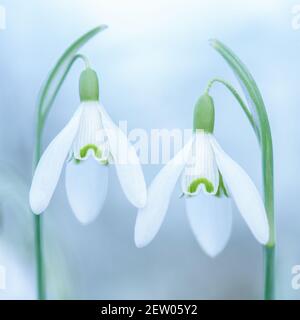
154 61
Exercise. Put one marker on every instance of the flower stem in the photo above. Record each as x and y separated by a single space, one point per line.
269 256
262 131
44 111
40 273
41 295
41 119
239 99
48 93
269 249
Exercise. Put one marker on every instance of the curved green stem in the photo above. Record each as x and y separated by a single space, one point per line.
240 101
44 113
263 134
41 294
255 100
38 147
46 99
40 274
269 271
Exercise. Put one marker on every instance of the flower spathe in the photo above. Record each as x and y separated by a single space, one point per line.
88 144
209 180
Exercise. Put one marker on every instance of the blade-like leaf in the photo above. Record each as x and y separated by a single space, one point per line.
247 82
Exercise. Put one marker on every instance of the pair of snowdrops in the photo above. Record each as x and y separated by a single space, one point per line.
91 142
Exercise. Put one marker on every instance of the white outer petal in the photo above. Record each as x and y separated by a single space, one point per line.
210 218
126 161
49 168
150 218
86 186
244 193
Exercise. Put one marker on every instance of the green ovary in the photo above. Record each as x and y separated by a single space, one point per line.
85 149
194 185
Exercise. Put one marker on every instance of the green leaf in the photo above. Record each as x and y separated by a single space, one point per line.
247 82
59 72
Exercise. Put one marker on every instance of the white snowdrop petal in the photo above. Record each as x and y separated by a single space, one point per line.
150 218
86 186
210 218
50 165
244 193
126 161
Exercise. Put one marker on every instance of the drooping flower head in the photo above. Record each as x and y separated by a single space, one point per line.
209 180
88 144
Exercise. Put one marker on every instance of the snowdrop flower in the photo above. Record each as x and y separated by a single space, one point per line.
209 179
89 142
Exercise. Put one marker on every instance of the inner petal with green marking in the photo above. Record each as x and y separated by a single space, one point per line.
90 147
201 171
192 188
91 139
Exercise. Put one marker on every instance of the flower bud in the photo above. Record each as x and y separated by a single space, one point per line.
204 114
88 85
